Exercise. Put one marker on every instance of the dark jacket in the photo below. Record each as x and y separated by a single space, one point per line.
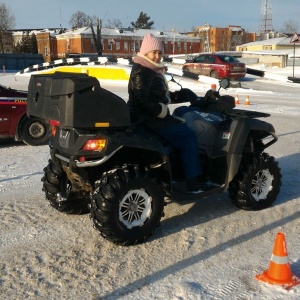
148 98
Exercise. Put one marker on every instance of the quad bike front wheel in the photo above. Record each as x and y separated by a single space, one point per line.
58 191
127 206
257 184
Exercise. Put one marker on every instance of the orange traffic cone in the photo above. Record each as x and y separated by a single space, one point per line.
279 271
237 101
247 101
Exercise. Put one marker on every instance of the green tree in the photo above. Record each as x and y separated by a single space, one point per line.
28 44
142 22
7 22
33 44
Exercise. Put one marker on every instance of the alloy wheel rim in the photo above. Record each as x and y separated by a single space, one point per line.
135 208
261 184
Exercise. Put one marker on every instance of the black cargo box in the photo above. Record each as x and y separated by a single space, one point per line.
75 100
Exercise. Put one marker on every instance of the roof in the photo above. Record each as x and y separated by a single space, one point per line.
52 32
270 42
130 32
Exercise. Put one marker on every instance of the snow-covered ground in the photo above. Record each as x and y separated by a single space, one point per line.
206 249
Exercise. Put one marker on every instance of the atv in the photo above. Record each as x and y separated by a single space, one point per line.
123 173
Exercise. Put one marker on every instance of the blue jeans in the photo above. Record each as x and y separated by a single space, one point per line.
183 139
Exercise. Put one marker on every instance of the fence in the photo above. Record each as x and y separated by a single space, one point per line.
19 61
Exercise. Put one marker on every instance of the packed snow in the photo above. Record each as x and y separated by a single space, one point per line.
204 249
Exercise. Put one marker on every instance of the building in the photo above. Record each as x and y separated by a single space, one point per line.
58 43
213 39
279 43
118 42
272 52
46 44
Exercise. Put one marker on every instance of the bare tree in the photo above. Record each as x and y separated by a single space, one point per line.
113 23
80 19
7 22
97 36
290 26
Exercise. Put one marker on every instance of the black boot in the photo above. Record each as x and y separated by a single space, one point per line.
197 185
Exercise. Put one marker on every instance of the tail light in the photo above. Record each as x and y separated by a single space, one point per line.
53 130
95 145
54 124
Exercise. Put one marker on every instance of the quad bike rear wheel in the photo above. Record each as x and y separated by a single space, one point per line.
58 191
127 206
257 184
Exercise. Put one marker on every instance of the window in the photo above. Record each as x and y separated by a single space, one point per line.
46 51
125 46
185 47
165 47
118 47
109 45
209 59
178 46
200 59
137 46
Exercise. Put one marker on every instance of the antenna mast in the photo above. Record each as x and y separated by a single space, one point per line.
266 17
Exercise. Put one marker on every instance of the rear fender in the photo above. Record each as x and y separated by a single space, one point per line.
147 153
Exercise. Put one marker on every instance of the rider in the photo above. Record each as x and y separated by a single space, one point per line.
148 99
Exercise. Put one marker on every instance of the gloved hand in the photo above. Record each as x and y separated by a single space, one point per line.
211 95
198 102
184 95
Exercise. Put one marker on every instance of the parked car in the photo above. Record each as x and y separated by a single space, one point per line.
216 66
14 122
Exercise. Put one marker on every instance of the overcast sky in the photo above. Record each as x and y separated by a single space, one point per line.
181 15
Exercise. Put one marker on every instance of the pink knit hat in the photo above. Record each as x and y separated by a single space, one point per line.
150 43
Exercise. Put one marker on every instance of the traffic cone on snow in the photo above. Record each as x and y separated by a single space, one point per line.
279 271
213 87
237 101
247 101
